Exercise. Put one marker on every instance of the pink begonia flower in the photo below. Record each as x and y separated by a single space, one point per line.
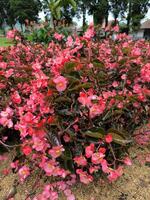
67 192
56 151
16 97
115 174
80 160
69 42
145 72
49 167
14 165
6 122
105 167
58 36
7 113
137 89
38 144
97 158
123 77
120 105
23 172
36 66
89 33
26 150
115 84
94 169
11 34
66 138
127 161
102 150
61 185
136 52
8 73
89 150
84 99
5 117
108 138
71 197
3 65
97 109
84 176
61 83
116 28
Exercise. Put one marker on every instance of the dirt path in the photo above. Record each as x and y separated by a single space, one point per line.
133 185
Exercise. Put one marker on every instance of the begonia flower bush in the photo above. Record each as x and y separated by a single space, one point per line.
75 105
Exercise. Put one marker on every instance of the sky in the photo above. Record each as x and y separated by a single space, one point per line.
90 19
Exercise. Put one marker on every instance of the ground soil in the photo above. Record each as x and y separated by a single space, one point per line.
133 185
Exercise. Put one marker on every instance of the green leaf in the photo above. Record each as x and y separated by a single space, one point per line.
69 67
73 4
119 137
63 99
67 155
98 133
67 159
98 64
81 86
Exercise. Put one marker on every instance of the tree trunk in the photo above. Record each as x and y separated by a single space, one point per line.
21 27
115 19
106 19
98 18
129 17
52 22
84 16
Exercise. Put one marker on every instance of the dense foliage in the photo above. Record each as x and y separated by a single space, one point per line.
75 104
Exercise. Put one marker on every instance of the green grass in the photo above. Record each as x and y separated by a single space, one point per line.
4 42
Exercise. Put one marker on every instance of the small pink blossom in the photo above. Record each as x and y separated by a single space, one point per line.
84 99
89 150
96 110
108 138
61 83
11 34
116 28
97 158
80 160
56 151
16 97
127 161
145 72
24 172
115 174
36 66
58 36
84 176
49 167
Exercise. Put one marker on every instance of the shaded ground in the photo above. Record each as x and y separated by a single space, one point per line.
133 185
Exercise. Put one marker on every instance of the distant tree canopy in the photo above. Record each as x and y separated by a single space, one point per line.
6 14
25 10
60 9
19 10
131 11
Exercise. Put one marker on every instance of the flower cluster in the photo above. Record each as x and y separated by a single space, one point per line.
73 104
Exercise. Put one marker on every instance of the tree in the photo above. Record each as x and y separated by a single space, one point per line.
118 8
25 10
139 10
136 11
100 11
57 8
6 14
82 8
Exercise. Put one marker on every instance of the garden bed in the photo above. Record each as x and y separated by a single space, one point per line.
133 185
